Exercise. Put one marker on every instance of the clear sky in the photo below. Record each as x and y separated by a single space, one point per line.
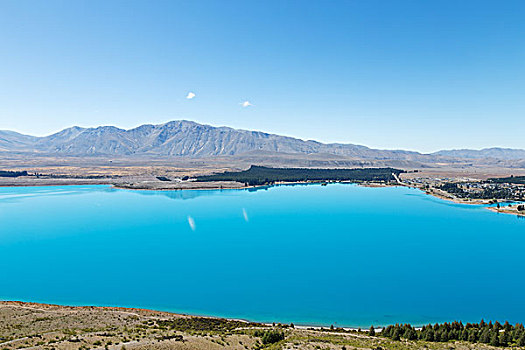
418 75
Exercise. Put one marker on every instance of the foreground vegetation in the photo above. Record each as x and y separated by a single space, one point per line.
487 333
259 175
47 327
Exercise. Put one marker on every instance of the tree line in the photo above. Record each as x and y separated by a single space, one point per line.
4 173
510 180
260 175
494 334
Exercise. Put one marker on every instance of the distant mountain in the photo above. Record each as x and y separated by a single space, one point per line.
13 141
181 138
497 153
189 139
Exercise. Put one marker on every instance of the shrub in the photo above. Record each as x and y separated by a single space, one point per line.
273 336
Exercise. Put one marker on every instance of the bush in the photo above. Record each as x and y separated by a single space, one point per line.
273 336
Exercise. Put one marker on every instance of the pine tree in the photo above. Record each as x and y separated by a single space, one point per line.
444 335
505 338
473 336
396 335
410 334
494 339
485 336
521 340
430 335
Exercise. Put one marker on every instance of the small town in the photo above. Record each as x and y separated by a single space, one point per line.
507 194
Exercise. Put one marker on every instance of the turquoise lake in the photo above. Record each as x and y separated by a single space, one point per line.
337 254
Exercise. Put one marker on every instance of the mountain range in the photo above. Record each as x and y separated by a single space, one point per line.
189 139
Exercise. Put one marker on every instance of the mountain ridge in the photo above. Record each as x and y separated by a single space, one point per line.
490 152
183 138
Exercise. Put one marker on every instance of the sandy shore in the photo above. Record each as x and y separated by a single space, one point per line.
446 196
513 210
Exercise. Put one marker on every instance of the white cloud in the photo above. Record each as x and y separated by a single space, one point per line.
190 95
246 104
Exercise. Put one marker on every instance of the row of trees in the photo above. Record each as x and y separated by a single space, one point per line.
494 334
509 180
259 175
4 173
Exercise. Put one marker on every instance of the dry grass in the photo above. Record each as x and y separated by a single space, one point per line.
46 327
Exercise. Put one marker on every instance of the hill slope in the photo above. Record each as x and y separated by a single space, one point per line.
180 138
189 139
498 153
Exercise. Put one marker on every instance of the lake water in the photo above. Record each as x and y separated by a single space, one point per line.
337 254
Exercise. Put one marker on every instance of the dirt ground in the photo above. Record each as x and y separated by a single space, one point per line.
46 327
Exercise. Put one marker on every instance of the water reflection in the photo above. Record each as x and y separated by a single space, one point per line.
186 194
15 194
191 194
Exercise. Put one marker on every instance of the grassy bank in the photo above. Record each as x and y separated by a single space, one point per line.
40 326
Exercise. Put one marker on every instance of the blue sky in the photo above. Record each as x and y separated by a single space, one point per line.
418 75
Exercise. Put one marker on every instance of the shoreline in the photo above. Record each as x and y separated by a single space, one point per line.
443 196
51 307
483 202
436 193
31 325
134 310
232 185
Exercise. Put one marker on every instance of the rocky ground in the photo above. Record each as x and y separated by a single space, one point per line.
40 326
